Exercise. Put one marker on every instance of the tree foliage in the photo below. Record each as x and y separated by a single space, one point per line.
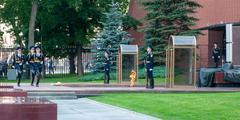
62 26
60 22
16 14
1 38
110 38
166 18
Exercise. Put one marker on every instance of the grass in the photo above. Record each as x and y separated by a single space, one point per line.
159 73
191 106
70 78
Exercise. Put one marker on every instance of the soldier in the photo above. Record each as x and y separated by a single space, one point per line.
106 68
18 61
30 60
216 54
149 68
38 62
50 66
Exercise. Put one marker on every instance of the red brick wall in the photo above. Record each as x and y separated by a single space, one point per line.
236 45
137 11
213 12
217 12
203 49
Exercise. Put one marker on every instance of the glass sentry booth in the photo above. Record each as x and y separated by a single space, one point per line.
127 62
181 62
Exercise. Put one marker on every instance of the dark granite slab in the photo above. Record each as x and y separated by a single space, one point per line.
9 92
23 108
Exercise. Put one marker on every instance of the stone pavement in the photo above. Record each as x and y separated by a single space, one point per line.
89 89
86 109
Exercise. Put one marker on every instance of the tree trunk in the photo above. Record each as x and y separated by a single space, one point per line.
44 70
72 63
32 23
80 69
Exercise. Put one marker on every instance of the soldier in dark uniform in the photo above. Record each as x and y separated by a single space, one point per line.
30 59
216 53
38 61
18 61
106 68
149 68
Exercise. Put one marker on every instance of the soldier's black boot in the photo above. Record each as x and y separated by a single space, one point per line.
151 83
38 79
18 80
106 79
147 84
33 76
18 83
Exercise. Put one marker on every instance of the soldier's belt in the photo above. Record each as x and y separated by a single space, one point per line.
18 61
148 62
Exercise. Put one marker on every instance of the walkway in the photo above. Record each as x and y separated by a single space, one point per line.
100 88
86 109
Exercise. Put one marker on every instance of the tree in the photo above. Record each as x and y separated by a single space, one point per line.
130 23
1 38
16 14
65 26
32 23
166 18
110 37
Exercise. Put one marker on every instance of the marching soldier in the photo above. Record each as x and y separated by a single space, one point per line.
30 60
38 62
149 68
106 68
18 61
216 54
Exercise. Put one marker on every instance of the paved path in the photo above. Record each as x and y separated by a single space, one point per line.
86 109
46 87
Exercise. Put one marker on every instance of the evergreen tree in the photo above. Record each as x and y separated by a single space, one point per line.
166 18
110 38
1 38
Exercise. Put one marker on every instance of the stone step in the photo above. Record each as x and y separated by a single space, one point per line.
53 95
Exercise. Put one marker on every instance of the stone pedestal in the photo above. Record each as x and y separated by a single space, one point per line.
23 108
8 92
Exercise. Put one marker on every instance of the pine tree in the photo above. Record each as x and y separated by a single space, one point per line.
110 38
1 38
166 18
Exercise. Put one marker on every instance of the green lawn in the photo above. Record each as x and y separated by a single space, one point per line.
68 78
159 74
195 106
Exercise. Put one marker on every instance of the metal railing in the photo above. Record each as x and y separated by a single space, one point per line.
52 66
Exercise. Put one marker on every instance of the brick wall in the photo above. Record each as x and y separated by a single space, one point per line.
236 45
213 12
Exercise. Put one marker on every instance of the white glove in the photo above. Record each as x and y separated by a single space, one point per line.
150 69
218 56
13 67
20 63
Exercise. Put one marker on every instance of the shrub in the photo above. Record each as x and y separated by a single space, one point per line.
158 71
